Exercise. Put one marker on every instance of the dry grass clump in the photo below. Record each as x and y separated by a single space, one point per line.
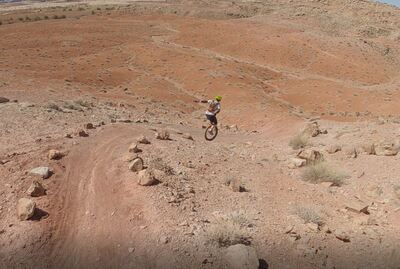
230 230
298 142
321 172
309 215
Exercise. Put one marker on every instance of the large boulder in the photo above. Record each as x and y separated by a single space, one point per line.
36 189
136 165
310 155
386 148
25 208
146 178
42 171
241 257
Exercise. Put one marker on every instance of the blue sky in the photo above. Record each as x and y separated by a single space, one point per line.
393 2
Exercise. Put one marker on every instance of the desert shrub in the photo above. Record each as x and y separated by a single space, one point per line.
81 9
308 214
98 8
1 22
46 17
27 18
159 164
93 13
55 17
37 18
321 172
21 19
63 17
70 9
298 142
229 230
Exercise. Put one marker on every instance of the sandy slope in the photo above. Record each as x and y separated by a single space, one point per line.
277 65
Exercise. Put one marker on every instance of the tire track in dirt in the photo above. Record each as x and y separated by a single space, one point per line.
96 221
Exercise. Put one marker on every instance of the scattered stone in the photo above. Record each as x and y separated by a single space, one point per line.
312 129
385 148
55 154
187 136
44 172
4 100
297 162
124 120
311 156
143 140
136 165
134 148
146 178
82 133
235 185
333 149
358 208
131 250
164 240
68 136
342 235
36 189
241 257
88 126
25 208
162 135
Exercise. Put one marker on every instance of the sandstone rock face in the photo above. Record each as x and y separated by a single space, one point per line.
241 257
25 208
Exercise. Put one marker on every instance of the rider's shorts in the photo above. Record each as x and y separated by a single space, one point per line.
212 119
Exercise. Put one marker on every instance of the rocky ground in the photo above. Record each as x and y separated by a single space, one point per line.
103 161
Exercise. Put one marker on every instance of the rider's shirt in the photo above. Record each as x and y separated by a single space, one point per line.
213 107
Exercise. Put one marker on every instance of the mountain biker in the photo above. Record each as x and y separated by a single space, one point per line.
214 107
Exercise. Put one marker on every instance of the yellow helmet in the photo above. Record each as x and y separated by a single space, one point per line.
218 98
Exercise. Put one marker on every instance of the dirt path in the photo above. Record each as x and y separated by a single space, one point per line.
101 210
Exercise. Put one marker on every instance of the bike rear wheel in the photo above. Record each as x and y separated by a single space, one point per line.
211 136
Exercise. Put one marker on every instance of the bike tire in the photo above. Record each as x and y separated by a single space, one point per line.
212 137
